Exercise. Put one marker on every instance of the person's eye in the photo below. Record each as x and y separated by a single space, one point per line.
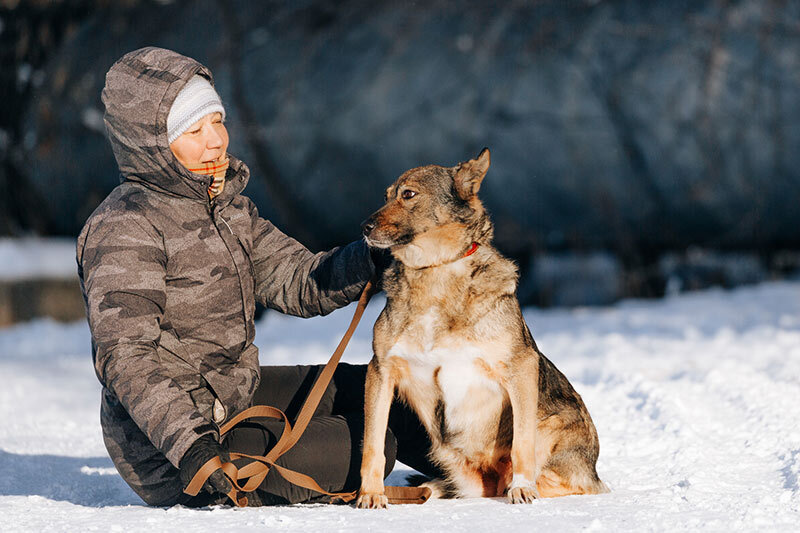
194 132
408 194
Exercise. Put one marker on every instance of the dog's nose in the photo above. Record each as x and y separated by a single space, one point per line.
367 226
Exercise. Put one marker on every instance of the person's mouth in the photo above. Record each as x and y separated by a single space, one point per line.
219 159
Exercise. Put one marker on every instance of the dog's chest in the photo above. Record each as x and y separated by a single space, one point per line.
446 364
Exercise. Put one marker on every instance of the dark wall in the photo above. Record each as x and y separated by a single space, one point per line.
622 125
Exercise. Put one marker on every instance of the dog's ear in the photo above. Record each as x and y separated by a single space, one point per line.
469 175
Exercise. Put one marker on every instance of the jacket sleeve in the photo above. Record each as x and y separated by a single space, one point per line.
122 266
291 279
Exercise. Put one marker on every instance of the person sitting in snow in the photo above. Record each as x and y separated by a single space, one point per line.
171 265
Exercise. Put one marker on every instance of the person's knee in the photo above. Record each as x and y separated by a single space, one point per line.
287 387
252 439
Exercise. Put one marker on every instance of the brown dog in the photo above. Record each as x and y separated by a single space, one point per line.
452 343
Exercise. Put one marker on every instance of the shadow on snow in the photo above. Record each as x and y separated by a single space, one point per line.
88 481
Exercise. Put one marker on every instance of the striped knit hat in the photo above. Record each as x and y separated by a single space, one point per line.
196 100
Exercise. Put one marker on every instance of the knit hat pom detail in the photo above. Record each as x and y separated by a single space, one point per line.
196 100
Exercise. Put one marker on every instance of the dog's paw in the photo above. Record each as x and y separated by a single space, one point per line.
372 501
524 494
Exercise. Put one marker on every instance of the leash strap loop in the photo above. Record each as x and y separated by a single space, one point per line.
255 471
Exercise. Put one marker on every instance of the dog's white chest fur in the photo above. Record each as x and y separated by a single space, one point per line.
444 361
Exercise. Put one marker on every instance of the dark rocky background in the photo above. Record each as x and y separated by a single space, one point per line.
638 147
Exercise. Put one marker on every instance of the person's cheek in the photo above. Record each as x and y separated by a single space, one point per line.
224 134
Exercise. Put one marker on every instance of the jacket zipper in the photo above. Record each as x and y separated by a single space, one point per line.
233 259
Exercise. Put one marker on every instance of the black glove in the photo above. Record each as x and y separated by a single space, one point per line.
204 449
382 258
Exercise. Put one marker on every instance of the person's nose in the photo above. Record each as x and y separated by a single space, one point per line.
213 138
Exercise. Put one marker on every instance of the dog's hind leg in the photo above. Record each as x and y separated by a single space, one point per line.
568 472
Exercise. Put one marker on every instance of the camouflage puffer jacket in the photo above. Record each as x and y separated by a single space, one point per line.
170 281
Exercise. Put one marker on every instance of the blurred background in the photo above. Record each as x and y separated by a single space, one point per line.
639 148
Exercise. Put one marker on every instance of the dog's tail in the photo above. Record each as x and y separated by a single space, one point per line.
439 487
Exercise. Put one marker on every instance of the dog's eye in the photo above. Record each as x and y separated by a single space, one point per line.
408 194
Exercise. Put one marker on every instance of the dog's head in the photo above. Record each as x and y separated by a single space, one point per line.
432 213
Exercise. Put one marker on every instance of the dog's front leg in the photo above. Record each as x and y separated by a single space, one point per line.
379 391
523 392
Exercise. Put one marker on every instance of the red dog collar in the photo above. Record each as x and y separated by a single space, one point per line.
471 249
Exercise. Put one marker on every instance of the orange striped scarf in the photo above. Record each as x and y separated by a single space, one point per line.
218 171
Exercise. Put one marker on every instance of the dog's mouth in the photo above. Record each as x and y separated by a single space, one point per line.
388 243
374 243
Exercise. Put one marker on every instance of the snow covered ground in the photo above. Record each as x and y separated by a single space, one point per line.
696 399
37 258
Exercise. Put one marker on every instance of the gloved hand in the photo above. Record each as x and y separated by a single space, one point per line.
204 449
382 259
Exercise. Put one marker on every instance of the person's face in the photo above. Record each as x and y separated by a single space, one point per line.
205 141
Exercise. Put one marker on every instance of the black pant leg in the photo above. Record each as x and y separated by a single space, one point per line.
287 387
348 388
329 451
413 442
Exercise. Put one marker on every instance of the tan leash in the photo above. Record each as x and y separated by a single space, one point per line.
254 472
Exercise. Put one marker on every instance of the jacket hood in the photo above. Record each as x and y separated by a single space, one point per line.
139 91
